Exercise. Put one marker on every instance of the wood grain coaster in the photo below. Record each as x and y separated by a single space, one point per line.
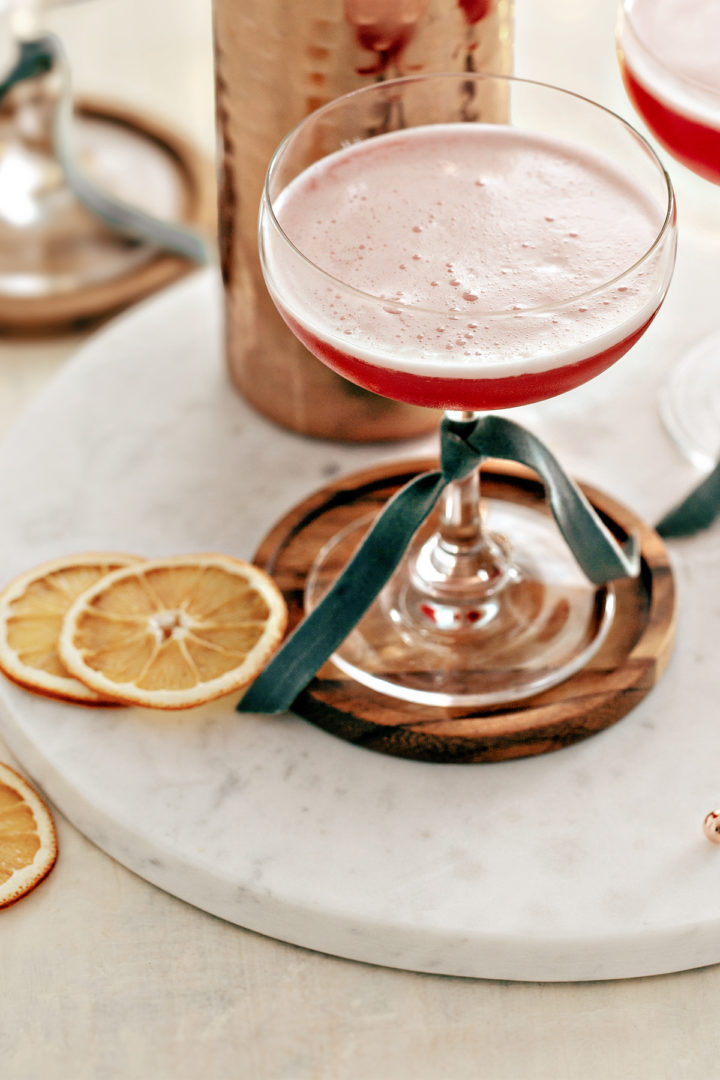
628 665
194 176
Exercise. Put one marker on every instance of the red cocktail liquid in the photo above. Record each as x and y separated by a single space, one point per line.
478 394
695 144
465 266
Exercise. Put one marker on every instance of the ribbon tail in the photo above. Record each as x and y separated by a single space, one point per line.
697 511
601 557
35 58
322 631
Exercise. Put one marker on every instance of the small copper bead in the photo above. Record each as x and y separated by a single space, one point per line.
711 826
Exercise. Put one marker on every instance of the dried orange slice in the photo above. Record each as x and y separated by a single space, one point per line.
32 609
28 843
175 632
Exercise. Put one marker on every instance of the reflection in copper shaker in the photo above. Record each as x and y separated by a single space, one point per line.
276 62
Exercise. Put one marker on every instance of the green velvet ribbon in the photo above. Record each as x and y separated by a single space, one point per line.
34 59
45 54
464 444
697 511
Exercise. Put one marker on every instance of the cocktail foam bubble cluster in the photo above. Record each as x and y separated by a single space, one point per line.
465 251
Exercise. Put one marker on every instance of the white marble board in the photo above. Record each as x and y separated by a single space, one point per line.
588 863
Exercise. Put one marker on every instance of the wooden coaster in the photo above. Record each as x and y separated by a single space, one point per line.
181 170
623 671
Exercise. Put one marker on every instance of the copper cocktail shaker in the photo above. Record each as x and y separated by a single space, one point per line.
276 62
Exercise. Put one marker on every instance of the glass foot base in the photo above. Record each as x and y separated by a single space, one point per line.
541 626
51 246
690 403
73 252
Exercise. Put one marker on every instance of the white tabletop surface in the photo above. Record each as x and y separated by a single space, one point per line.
106 976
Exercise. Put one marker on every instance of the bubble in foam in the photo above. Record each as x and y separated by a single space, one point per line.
501 282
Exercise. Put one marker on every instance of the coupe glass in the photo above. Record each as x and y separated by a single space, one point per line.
668 53
50 244
402 297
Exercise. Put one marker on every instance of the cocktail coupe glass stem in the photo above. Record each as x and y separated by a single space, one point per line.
39 175
488 604
456 574
460 550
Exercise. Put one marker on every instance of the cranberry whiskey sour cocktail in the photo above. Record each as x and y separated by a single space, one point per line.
669 53
466 220
468 266
670 61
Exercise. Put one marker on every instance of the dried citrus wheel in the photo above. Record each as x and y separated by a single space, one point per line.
28 844
175 632
32 609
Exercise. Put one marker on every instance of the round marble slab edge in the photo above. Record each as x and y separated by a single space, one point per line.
588 863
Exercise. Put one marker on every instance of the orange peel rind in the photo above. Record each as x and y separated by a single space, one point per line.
28 841
175 632
32 608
